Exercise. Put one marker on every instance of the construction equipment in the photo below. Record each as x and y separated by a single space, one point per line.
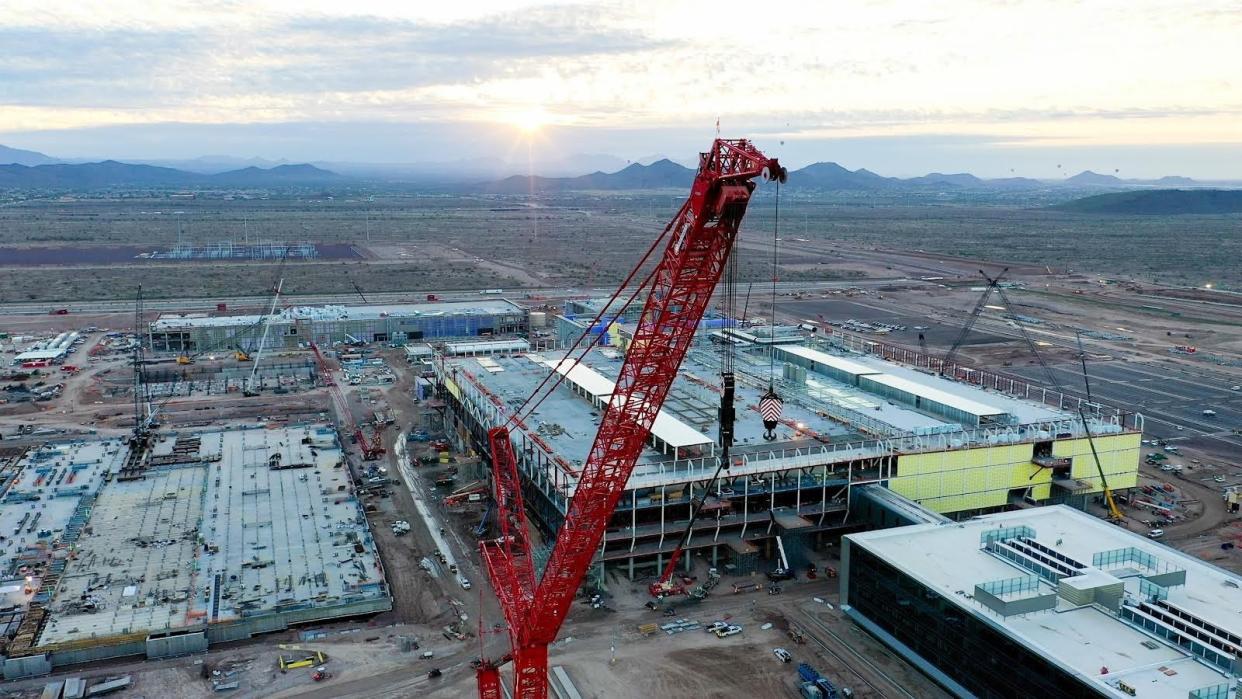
240 354
701 237
784 572
253 384
142 408
371 450
308 659
1114 513
970 320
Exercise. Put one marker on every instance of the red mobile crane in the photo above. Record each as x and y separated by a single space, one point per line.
701 238
371 450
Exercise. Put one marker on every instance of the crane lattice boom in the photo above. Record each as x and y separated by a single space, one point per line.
701 238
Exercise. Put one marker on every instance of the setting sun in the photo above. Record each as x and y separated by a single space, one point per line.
529 121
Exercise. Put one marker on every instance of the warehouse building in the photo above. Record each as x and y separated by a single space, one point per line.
953 448
1046 602
326 325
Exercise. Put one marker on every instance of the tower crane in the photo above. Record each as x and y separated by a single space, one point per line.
701 237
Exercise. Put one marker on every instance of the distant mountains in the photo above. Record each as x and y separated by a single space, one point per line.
110 173
818 176
17 156
30 169
1089 178
1159 202
658 175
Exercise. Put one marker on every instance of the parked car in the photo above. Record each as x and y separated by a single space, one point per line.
782 655
1155 534
716 626
730 630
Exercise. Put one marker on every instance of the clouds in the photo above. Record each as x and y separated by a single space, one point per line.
1014 69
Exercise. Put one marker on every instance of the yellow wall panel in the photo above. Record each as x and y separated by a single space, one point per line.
968 479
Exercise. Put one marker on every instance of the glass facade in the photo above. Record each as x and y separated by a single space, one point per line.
982 659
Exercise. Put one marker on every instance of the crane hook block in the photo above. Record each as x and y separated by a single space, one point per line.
770 408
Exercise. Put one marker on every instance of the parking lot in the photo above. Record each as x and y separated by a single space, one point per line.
938 333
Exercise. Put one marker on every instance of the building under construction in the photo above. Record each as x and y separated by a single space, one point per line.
296 326
215 536
850 420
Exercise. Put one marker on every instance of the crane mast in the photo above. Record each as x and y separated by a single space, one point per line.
701 238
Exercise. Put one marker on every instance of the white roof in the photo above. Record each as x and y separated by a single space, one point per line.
949 559
666 428
486 346
937 395
841 363
35 355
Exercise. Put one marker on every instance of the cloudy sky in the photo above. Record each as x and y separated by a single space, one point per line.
998 87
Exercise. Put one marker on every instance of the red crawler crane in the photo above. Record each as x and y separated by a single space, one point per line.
370 450
701 238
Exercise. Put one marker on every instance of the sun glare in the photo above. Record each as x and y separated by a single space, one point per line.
529 121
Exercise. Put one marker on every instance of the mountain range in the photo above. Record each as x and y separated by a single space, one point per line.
110 173
818 176
31 169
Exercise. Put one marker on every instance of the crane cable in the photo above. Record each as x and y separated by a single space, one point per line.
776 236
533 401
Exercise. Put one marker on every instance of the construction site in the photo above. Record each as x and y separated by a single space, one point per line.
724 491
212 536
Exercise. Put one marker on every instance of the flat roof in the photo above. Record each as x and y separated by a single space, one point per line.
666 428
841 363
35 355
950 559
224 525
1026 411
515 345
938 395
492 306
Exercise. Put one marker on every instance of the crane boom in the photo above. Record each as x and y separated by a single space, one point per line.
701 239
970 319
251 381
370 450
